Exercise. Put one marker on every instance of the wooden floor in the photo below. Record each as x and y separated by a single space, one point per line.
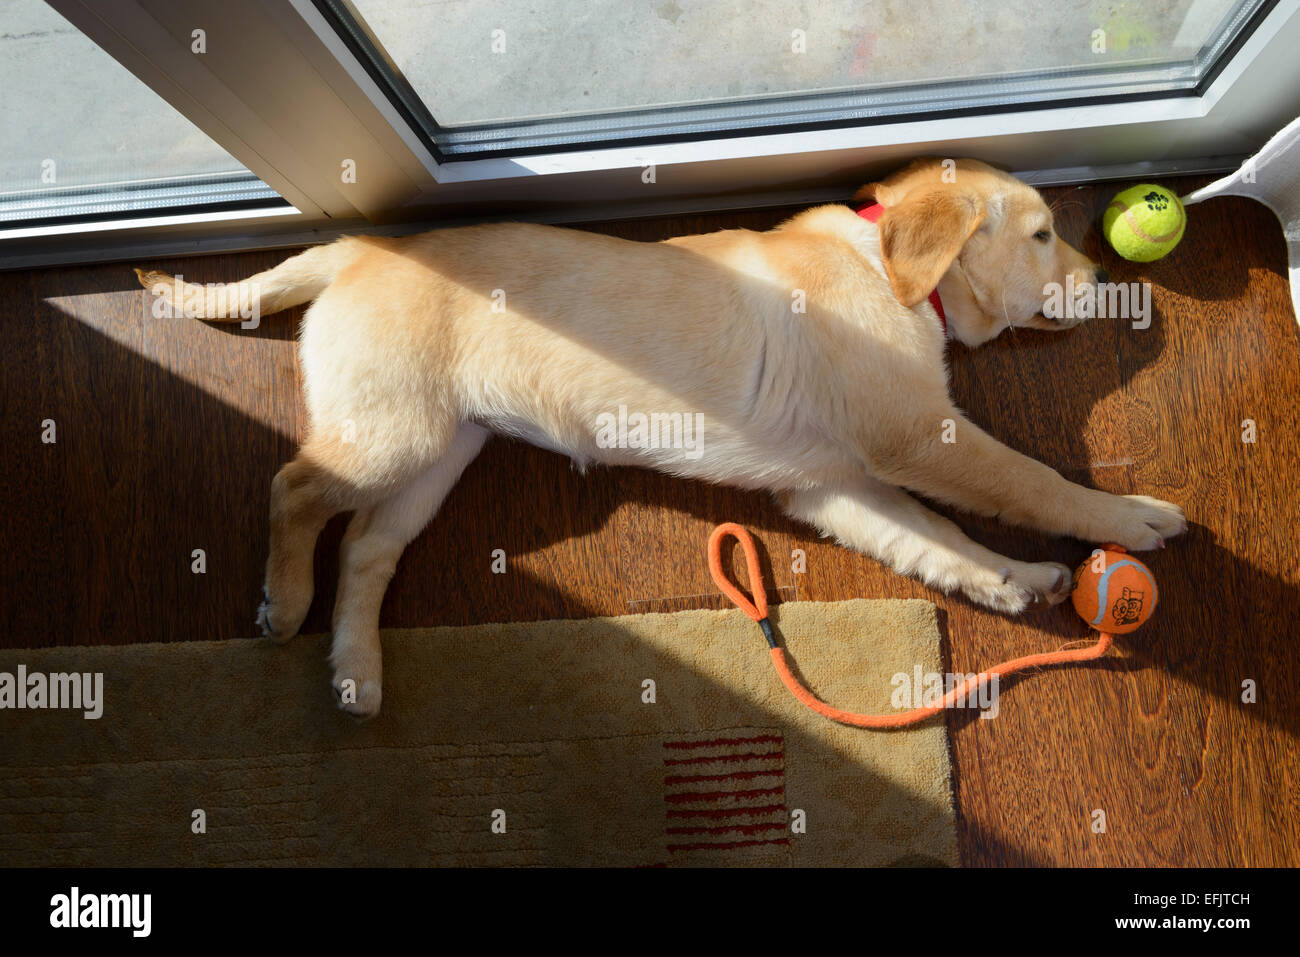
168 432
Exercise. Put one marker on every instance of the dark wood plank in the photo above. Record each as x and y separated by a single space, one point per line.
166 430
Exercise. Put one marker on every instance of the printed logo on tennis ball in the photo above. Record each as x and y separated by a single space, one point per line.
1117 599
1144 222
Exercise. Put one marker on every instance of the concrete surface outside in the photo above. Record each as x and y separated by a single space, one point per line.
65 101
479 60
68 103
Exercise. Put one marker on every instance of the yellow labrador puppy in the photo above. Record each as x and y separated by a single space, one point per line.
806 360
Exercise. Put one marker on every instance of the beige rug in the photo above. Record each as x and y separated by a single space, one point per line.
545 729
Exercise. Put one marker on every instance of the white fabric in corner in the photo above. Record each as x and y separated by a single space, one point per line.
1271 176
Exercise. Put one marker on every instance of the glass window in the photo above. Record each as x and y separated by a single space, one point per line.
84 139
485 76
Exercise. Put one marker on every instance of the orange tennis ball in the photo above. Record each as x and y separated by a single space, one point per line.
1113 591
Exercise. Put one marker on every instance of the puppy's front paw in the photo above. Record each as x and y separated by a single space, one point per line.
1141 523
1019 587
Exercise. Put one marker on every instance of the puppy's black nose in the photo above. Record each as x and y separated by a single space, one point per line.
1102 276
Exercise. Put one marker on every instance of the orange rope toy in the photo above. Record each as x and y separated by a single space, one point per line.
757 610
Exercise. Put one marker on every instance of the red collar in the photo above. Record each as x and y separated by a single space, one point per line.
872 215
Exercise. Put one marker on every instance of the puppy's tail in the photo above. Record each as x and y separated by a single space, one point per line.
294 281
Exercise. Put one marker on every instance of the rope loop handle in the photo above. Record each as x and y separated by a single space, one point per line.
756 609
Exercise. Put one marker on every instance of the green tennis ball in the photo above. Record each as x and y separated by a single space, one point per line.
1144 222
1121 32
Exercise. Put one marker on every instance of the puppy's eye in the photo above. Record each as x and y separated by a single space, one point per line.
1043 235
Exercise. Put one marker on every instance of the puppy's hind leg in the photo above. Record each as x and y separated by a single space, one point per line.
304 496
375 539
894 528
338 470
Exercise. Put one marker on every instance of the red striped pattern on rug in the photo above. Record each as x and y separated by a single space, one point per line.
722 793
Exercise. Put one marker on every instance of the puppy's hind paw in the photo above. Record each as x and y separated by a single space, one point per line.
361 701
267 621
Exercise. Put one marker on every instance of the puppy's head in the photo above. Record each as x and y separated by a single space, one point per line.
986 240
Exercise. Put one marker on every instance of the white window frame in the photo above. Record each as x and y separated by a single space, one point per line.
326 108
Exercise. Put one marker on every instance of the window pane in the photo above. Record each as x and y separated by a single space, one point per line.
85 139
499 74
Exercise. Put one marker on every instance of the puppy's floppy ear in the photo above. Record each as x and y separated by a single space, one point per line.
922 235
921 173
866 192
